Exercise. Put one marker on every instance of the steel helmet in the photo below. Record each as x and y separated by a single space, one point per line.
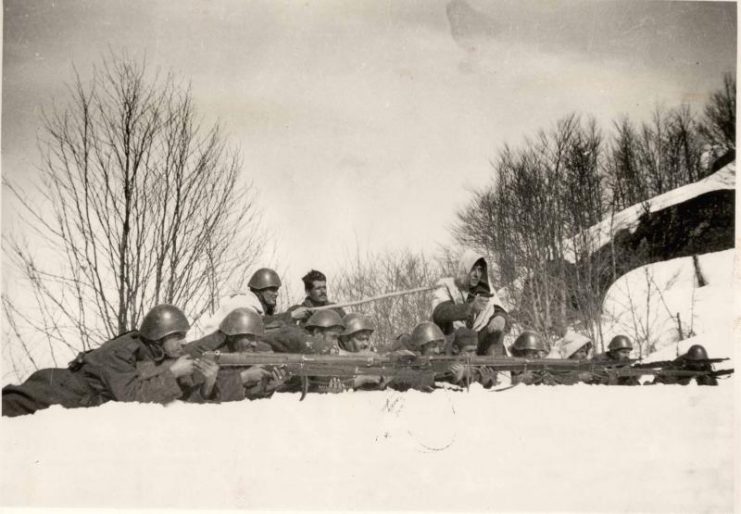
264 278
355 322
696 352
325 319
163 320
620 342
424 333
529 340
242 321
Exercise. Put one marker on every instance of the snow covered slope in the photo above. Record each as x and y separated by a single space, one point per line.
629 218
568 449
645 302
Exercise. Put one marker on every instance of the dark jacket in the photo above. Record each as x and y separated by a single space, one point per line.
447 312
110 372
308 302
611 378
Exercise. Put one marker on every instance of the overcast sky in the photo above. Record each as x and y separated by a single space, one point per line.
365 122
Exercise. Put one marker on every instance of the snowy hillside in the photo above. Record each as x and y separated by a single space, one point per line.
644 305
581 448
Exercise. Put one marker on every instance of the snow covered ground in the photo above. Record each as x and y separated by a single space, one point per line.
580 448
644 304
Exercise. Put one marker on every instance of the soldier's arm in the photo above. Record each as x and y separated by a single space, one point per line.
447 312
128 385
208 343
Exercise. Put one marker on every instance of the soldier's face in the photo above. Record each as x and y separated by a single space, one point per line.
242 343
431 348
172 345
622 354
360 341
532 354
469 349
582 353
474 277
270 296
318 291
331 337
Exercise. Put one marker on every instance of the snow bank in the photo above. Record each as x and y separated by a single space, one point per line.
629 218
580 448
644 303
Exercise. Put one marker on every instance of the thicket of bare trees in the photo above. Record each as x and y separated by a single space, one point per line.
378 273
532 219
138 204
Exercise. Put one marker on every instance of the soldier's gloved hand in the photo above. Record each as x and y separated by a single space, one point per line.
479 304
208 369
458 371
183 366
488 376
301 313
496 324
278 377
584 376
253 375
335 386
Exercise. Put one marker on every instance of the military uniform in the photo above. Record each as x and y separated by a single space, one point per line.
111 372
308 302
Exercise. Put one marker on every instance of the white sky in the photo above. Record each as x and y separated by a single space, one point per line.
364 123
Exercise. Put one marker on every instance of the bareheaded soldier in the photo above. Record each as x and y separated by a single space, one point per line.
143 366
315 285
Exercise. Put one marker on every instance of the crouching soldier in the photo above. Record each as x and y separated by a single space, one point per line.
262 299
530 345
618 355
465 342
696 359
138 366
240 332
468 301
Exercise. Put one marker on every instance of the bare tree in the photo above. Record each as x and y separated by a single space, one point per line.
719 123
138 204
378 273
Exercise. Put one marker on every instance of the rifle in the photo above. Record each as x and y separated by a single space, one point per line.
417 370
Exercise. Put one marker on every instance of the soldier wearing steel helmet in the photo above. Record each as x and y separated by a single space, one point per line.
262 298
531 345
241 331
618 353
357 334
143 366
465 342
696 359
315 285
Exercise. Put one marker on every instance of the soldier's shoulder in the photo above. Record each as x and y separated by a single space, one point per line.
126 340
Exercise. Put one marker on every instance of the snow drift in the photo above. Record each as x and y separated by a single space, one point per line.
580 448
